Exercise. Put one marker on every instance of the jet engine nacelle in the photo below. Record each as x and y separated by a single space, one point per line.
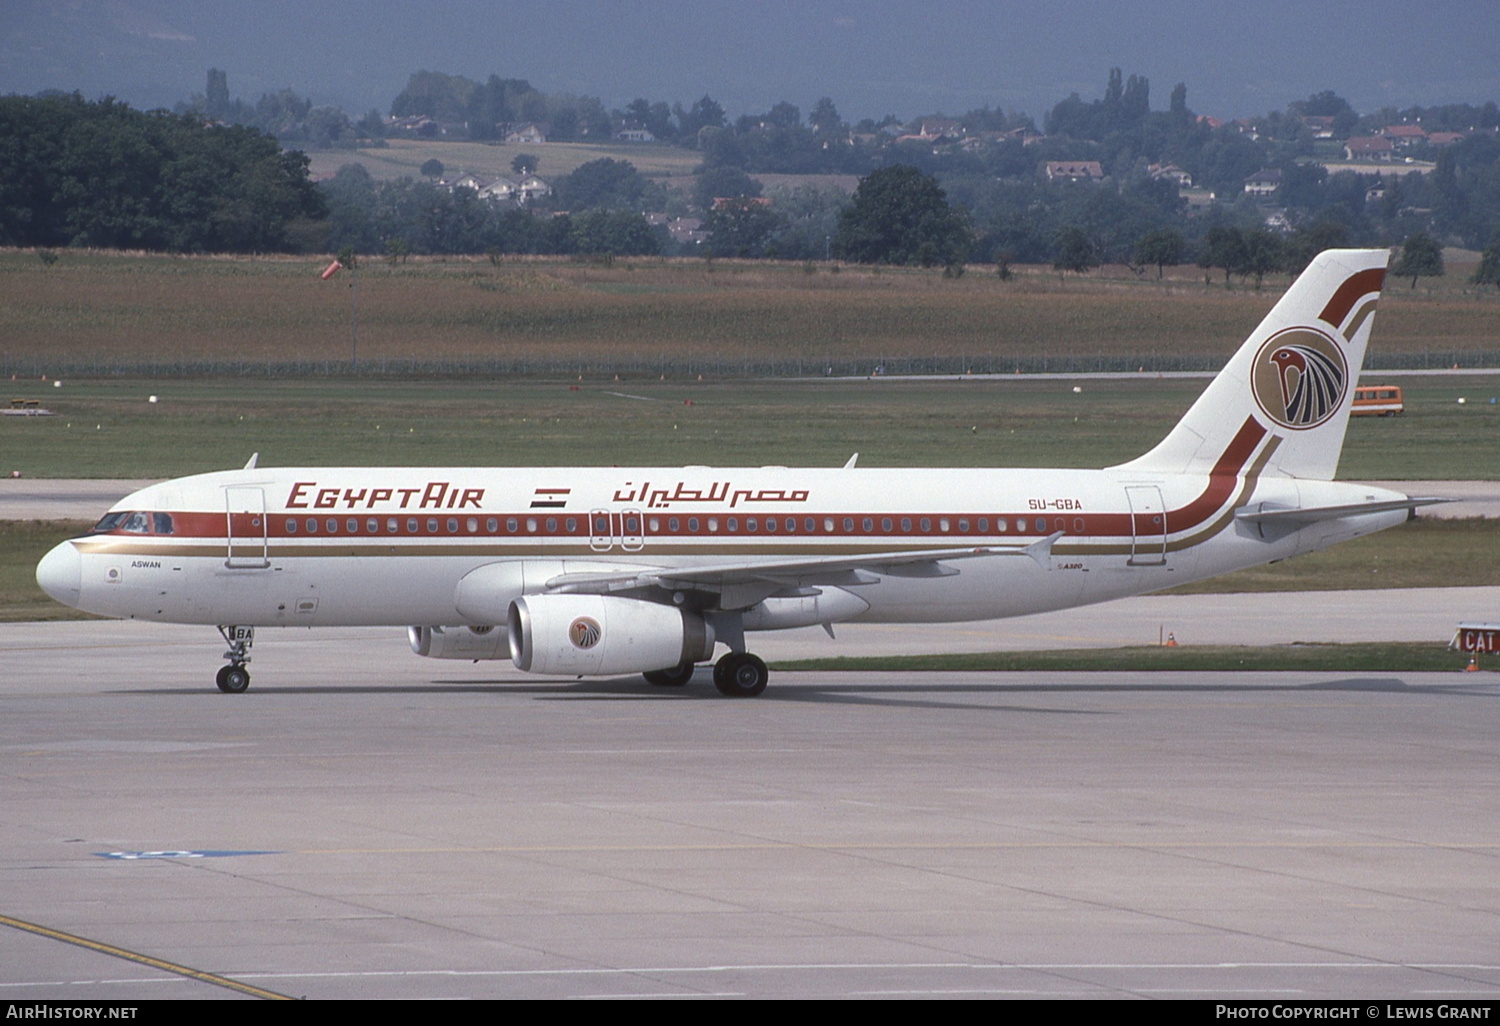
459 642
600 634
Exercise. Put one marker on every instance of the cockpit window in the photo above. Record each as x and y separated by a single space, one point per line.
134 522
109 522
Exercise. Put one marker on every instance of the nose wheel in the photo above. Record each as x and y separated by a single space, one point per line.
234 678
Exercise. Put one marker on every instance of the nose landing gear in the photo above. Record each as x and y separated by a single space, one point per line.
234 678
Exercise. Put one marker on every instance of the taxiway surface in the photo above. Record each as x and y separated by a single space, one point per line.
364 823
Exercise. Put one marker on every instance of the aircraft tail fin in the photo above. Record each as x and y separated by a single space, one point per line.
1292 382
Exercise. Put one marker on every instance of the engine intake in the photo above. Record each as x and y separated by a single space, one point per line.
600 634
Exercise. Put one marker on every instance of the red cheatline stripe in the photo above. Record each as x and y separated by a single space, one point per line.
1361 284
248 532
1221 479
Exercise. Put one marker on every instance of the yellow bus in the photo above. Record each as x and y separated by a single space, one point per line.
1377 401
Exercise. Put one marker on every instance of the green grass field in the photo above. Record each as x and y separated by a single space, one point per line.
98 310
107 428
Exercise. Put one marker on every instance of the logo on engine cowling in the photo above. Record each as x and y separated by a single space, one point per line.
1299 378
585 632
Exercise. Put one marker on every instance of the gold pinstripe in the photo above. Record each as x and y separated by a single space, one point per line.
1365 310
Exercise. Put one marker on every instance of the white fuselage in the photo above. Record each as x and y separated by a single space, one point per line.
356 546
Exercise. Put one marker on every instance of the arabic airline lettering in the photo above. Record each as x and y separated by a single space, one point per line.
590 570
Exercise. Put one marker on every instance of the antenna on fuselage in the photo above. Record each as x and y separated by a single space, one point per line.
253 457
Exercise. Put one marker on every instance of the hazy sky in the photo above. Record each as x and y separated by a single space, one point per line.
872 56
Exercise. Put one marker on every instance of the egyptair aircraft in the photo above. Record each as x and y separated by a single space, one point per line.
607 571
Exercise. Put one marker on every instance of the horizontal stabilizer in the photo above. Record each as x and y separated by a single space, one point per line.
1313 514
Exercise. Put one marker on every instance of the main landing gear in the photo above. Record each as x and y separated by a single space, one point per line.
736 675
234 678
740 675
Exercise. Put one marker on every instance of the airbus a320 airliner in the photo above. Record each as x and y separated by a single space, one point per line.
602 571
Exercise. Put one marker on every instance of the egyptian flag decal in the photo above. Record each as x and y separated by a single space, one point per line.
550 498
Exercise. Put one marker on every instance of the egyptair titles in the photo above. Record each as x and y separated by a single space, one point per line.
432 495
717 492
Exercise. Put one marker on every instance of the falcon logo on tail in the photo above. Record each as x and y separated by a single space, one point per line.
1300 378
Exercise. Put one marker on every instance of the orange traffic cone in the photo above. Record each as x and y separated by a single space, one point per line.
1171 642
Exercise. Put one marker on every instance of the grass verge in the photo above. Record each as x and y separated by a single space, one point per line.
1391 657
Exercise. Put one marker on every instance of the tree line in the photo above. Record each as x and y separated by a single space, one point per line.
81 173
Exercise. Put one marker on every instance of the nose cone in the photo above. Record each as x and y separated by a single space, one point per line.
60 573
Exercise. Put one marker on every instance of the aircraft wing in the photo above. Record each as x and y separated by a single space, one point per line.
861 568
1313 514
